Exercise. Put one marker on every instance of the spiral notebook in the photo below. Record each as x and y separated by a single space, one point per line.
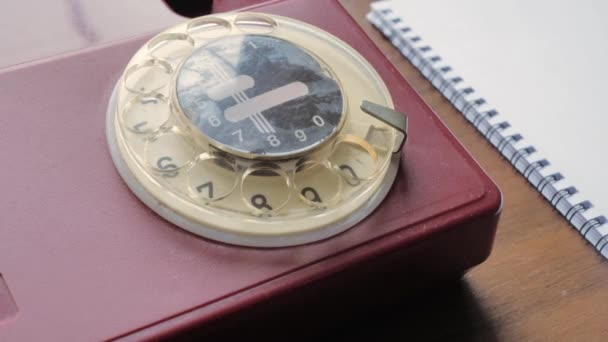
531 77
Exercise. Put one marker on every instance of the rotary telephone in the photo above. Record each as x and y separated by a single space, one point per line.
231 166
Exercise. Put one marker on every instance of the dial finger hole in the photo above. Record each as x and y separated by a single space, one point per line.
148 77
146 114
317 185
379 136
208 27
354 159
255 23
169 152
171 45
265 189
212 178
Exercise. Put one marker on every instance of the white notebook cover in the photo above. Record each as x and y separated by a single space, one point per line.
526 74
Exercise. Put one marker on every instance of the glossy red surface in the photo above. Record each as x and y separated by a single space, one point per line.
85 259
33 29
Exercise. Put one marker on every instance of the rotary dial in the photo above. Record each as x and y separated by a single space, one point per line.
254 130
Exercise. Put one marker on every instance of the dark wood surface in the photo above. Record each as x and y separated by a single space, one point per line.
542 281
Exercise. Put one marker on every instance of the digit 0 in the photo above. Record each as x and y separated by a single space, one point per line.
318 120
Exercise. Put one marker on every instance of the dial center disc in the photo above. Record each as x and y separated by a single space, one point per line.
259 96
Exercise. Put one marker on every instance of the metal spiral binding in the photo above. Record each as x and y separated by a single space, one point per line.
577 208
508 140
537 165
521 153
601 243
561 194
495 128
593 223
471 106
481 117
550 179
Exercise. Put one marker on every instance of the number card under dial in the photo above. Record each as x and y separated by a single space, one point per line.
249 129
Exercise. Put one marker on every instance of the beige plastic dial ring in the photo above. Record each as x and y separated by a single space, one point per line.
175 167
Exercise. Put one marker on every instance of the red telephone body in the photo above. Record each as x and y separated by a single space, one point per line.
82 258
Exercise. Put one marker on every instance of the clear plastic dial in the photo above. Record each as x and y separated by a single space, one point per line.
246 128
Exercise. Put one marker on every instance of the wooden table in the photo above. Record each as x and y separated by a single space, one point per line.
542 281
